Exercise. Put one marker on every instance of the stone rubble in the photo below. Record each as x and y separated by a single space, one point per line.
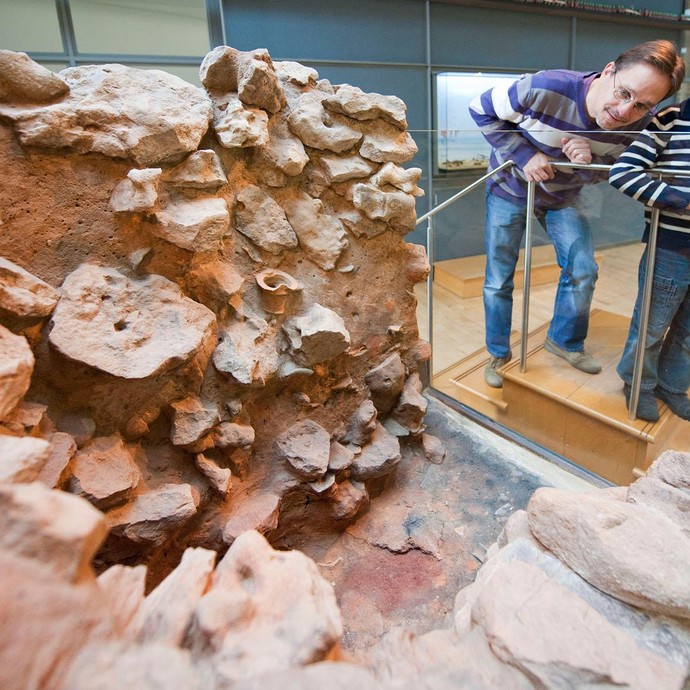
256 617
156 412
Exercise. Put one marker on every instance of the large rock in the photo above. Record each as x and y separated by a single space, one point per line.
524 616
16 366
378 457
259 512
386 382
46 621
283 150
192 419
151 666
127 328
200 170
62 449
251 74
266 610
629 551
124 587
236 125
672 467
668 500
147 116
387 143
138 192
343 168
216 284
396 208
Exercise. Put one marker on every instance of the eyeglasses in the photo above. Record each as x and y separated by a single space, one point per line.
624 96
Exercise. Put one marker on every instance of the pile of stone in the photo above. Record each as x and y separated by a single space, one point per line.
581 590
207 316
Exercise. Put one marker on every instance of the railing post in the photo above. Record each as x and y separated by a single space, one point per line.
529 223
429 294
645 303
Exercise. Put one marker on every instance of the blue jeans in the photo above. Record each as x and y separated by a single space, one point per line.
571 235
667 347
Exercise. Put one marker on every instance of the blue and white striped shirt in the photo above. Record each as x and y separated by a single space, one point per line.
665 143
533 114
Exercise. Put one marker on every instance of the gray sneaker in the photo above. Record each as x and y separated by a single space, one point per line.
491 376
579 360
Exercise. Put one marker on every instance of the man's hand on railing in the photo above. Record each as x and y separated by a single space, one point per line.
538 168
577 150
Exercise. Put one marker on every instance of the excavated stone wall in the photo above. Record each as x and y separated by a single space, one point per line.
207 317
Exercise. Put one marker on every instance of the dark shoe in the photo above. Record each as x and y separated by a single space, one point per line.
491 376
678 403
579 360
646 405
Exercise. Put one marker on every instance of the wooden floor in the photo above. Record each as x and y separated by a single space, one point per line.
578 416
459 323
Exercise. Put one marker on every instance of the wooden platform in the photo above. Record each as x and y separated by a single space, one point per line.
464 277
580 416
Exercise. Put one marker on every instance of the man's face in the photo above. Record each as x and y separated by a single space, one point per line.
644 84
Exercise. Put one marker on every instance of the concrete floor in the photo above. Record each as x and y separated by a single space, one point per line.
424 538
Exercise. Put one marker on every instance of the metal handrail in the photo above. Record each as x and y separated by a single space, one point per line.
649 267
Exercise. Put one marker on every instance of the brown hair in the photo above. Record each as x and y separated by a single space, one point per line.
662 55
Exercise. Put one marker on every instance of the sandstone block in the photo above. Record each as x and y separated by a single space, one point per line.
16 367
317 335
127 328
306 446
378 457
53 529
167 611
200 170
23 294
629 551
198 225
24 81
321 236
138 192
310 122
258 512
104 472
22 458
386 381
263 221
353 102
148 116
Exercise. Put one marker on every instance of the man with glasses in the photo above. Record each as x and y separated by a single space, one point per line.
559 115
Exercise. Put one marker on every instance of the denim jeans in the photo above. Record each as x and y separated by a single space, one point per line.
667 347
571 235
